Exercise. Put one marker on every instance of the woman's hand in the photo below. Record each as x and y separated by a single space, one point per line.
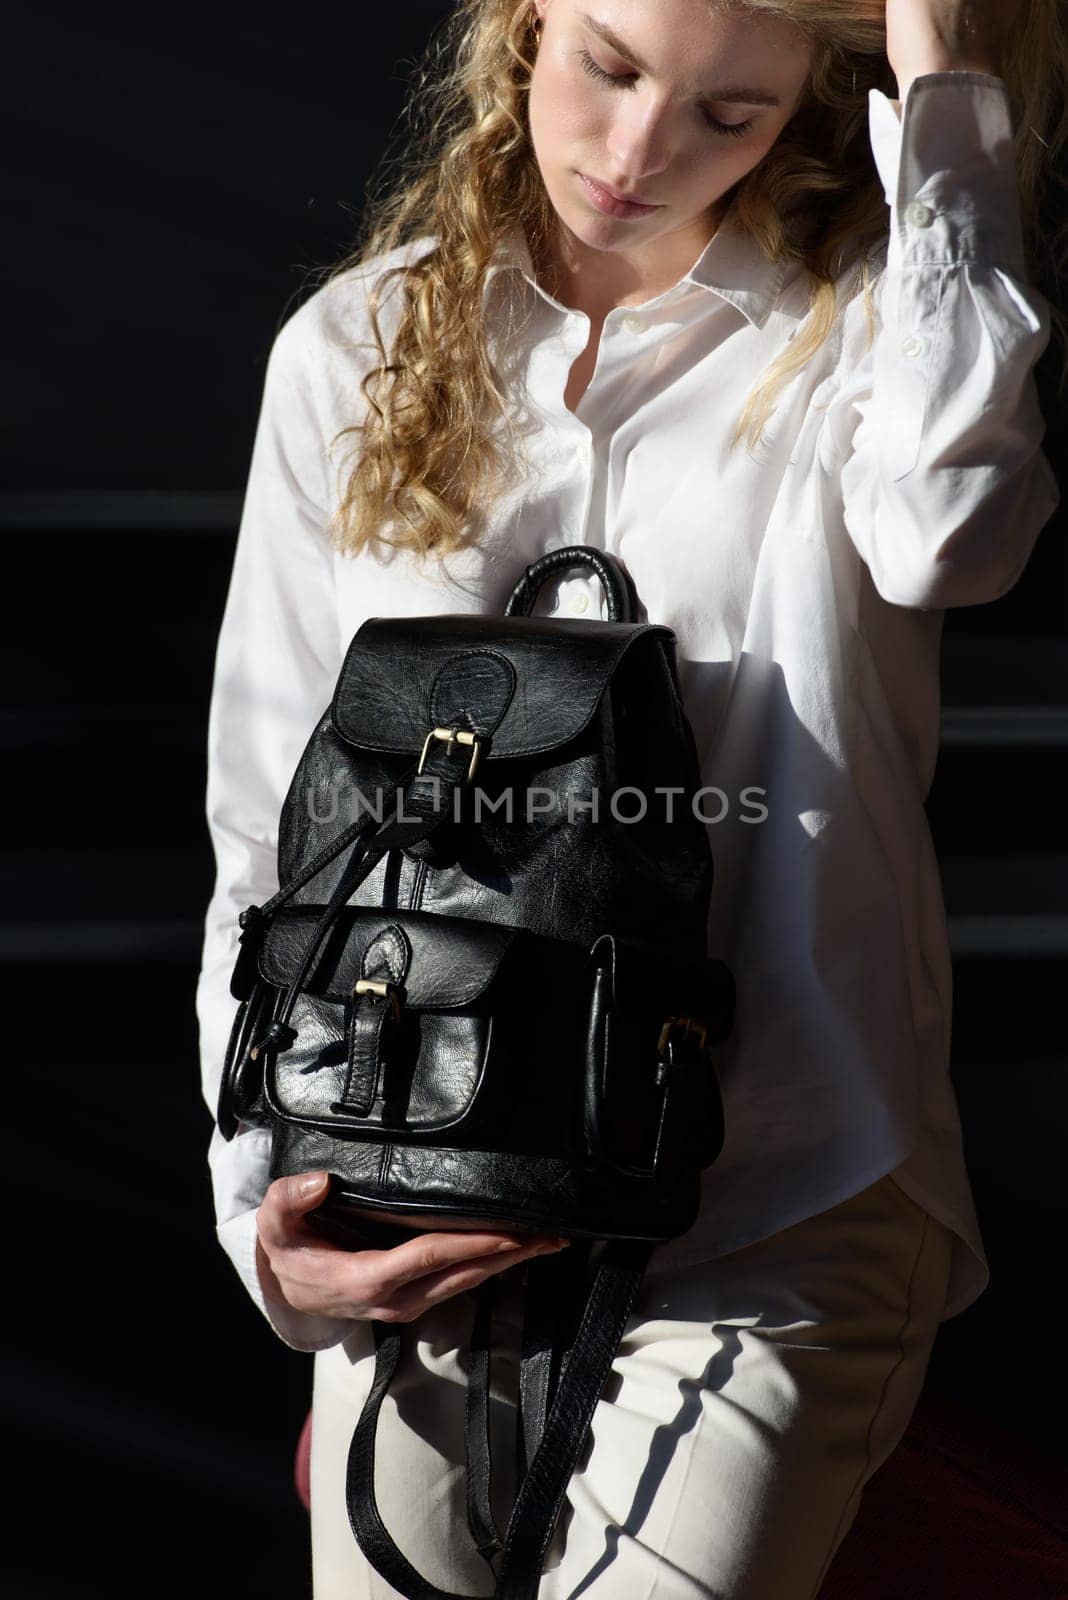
299 1268
948 36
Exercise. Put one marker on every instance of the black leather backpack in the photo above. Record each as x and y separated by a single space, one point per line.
484 993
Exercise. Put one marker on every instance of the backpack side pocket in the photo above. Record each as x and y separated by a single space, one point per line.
241 1086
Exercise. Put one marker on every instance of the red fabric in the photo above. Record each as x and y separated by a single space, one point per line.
302 1464
963 1510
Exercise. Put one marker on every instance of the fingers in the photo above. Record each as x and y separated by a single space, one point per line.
431 1289
388 1285
286 1204
308 1273
436 1252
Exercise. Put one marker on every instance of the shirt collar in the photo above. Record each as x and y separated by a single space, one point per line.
731 264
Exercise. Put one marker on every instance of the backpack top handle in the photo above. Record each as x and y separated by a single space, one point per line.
616 581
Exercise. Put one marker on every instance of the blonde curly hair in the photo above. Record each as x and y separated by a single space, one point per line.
431 449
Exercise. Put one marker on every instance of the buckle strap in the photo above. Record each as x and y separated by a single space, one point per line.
471 694
677 1039
367 851
373 1009
453 736
691 1129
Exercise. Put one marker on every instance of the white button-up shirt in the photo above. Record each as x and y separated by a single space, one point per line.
805 582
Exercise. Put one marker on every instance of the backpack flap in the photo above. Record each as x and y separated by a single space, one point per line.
529 684
652 1098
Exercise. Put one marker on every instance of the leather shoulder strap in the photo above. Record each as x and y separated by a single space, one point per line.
584 1371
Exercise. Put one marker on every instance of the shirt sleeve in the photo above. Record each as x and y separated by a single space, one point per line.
935 426
277 660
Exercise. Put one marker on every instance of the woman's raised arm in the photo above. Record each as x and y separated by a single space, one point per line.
936 429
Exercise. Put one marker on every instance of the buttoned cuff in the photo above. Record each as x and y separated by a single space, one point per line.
948 170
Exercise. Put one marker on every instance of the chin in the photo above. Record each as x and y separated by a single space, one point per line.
587 224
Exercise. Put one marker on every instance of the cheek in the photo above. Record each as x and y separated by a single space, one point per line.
757 149
562 112
731 159
713 162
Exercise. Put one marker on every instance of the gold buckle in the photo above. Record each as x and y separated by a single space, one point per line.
379 986
688 1025
454 736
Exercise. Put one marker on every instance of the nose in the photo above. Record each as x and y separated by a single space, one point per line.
639 140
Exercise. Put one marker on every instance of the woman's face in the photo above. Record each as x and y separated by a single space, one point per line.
669 101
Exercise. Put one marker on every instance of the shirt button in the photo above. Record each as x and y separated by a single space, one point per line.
919 215
634 324
579 603
913 346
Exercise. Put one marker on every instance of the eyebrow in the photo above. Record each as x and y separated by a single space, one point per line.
730 94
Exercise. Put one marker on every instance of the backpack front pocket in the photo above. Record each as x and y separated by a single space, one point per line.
412 1022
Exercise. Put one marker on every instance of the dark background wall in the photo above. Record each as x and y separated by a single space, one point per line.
172 179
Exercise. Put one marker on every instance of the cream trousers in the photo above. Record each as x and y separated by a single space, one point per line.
751 1399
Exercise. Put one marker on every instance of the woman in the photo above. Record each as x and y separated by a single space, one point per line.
683 281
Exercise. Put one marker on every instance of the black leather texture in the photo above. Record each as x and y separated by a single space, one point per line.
482 993
530 697
509 1064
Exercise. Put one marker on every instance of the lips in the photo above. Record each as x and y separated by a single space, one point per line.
614 205
627 199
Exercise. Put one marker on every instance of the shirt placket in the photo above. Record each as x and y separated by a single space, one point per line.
583 440
572 458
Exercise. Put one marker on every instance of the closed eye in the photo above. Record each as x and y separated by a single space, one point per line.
625 80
